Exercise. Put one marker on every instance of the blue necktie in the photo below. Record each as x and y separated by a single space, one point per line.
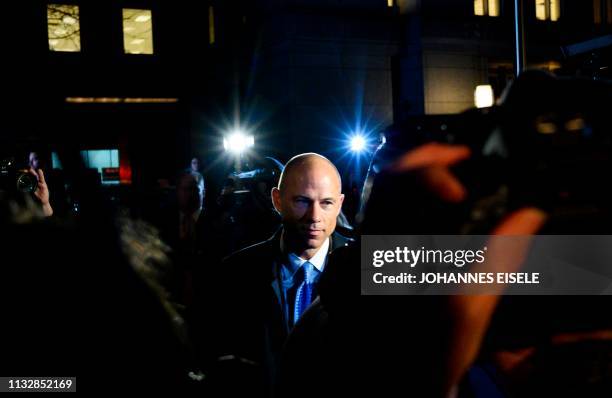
304 292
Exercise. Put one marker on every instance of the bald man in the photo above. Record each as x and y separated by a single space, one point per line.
273 282
309 199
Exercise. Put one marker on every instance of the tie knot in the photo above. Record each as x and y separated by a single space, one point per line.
310 272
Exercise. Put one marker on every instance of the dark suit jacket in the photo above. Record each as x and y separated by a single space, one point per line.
252 318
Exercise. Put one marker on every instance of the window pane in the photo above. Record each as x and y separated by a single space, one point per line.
494 8
55 161
479 7
63 27
541 9
555 10
137 31
103 160
389 3
114 158
211 25
99 158
597 11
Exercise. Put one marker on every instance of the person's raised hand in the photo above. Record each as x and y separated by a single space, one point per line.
42 191
433 161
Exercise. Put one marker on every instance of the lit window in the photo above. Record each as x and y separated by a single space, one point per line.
548 10
63 27
486 8
602 11
597 11
105 161
55 161
389 3
137 31
211 25
483 96
555 9
493 8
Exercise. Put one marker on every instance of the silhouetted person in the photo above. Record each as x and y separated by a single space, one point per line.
194 170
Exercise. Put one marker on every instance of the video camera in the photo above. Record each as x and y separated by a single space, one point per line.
269 170
546 145
16 178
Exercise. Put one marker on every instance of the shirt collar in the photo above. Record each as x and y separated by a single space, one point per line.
318 260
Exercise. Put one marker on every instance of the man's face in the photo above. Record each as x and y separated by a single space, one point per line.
34 162
195 164
309 204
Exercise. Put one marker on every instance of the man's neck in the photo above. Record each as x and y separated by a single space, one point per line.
307 254
288 246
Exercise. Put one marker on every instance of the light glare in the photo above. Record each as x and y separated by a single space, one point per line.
237 142
483 96
358 143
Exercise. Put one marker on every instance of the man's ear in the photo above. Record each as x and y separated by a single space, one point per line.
341 201
276 200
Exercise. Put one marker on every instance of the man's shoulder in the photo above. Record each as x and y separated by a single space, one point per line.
252 264
339 240
258 251
268 250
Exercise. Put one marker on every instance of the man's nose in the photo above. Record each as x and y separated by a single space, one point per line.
314 213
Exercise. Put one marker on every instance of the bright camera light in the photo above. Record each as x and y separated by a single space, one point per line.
358 143
237 142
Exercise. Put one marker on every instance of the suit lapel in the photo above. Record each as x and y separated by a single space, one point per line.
277 300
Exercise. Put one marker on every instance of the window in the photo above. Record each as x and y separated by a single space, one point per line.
597 11
137 31
105 161
548 10
55 161
483 96
389 3
63 27
211 25
602 11
486 8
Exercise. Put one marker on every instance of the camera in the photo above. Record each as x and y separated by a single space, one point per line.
14 178
256 182
545 145
267 169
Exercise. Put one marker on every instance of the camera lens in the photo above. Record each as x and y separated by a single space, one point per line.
27 183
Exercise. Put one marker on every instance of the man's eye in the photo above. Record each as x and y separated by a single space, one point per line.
328 203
